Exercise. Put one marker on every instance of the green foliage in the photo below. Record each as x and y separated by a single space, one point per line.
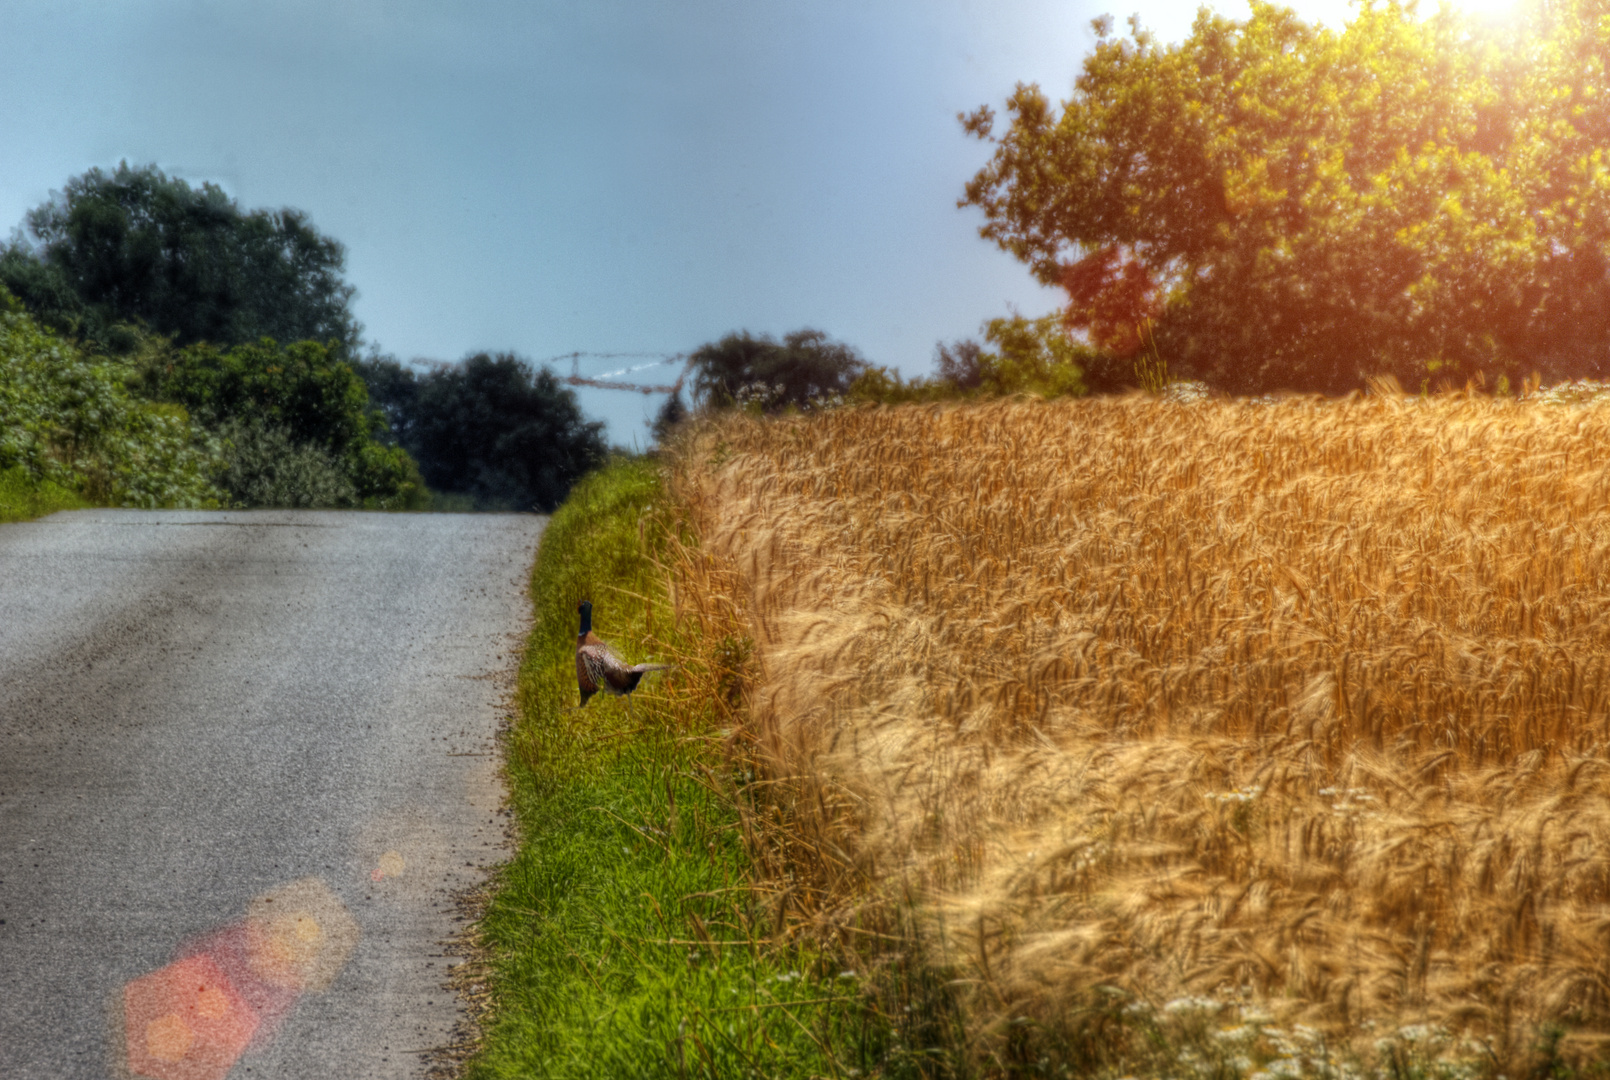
742 370
394 392
136 246
197 291
303 388
67 419
1301 207
265 466
299 402
886 386
24 496
387 478
626 941
1030 356
495 429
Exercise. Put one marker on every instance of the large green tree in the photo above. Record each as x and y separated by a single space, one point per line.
742 368
136 247
1271 204
509 436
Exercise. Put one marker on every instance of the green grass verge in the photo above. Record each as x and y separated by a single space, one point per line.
625 939
22 497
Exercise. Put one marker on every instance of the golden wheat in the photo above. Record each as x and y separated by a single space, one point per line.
1302 704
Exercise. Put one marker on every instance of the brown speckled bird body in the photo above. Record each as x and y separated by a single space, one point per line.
597 666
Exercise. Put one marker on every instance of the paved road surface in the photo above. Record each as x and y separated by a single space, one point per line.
203 714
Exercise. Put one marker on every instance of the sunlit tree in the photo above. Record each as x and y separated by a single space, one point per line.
1285 206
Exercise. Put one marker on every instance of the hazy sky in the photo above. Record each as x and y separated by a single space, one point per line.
618 176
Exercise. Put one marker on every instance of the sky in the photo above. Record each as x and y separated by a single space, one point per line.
609 177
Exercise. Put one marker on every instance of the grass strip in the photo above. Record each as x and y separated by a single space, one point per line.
628 938
22 497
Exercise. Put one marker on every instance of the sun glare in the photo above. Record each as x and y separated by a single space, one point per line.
1488 11
1338 13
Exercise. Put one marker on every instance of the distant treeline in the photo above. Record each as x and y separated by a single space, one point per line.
161 346
807 370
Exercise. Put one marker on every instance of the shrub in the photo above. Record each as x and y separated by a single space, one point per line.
299 399
264 466
68 419
304 388
1030 356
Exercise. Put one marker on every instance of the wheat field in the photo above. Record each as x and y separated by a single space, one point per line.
1289 719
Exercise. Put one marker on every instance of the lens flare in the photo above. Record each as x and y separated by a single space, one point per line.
232 989
300 935
168 1037
186 1021
391 865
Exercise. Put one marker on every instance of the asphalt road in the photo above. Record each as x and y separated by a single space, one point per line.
206 714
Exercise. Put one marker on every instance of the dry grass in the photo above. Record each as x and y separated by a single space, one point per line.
1133 712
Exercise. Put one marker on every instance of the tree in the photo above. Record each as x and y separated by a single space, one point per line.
136 246
669 416
743 369
511 437
1288 206
960 364
394 391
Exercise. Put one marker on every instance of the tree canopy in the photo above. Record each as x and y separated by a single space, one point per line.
135 247
1285 206
492 427
805 366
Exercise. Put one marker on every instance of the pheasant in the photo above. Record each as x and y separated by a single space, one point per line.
597 666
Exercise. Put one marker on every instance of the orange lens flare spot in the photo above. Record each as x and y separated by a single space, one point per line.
300 935
212 1002
285 949
391 865
186 1022
168 1037
234 987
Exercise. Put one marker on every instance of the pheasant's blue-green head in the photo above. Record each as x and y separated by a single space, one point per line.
586 610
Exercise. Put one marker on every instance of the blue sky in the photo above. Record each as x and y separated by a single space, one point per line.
617 176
